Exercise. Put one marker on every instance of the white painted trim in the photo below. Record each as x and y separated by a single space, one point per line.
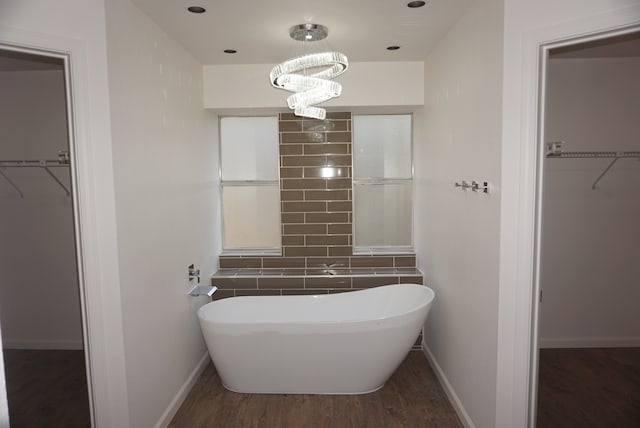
448 388
517 355
179 398
43 344
589 342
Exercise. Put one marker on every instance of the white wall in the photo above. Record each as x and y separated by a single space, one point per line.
365 84
76 27
590 242
165 167
528 25
458 138
39 294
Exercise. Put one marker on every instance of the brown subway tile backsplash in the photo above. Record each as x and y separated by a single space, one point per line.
280 283
316 160
327 262
291 195
337 160
339 206
302 137
339 183
326 218
288 240
303 183
288 218
339 229
240 262
290 126
306 206
325 172
304 229
404 261
372 261
326 149
338 115
235 283
305 251
223 294
327 195
282 262
340 251
328 282
417 279
310 125
329 240
339 137
297 172
258 293
301 292
373 281
291 149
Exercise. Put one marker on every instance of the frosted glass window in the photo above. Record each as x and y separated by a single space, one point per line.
249 148
382 216
382 183
249 185
382 146
251 217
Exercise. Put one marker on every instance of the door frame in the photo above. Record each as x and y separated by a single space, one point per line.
75 201
543 59
94 216
519 288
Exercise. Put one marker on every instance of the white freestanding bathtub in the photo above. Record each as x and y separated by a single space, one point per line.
345 343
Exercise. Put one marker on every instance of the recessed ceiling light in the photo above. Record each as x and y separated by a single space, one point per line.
393 48
230 51
196 9
414 4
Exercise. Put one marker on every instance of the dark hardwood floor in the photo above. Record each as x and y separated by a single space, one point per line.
46 389
586 388
411 398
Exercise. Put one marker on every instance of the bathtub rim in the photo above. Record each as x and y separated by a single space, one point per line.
208 307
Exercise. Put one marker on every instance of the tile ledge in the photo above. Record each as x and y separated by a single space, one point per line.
293 273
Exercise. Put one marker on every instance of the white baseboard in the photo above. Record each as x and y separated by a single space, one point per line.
589 342
177 401
448 389
42 344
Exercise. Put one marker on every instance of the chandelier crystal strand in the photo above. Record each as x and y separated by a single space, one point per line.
301 76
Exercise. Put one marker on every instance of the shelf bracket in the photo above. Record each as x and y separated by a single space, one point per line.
14 185
593 186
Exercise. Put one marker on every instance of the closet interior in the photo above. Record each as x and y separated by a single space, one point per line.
589 322
40 301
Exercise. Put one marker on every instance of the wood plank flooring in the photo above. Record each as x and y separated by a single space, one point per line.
586 388
46 389
411 398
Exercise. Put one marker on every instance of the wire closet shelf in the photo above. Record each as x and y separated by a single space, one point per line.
45 164
553 150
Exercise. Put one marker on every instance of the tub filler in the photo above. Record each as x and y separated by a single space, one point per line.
345 343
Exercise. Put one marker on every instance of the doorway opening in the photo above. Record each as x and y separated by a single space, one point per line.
586 362
42 303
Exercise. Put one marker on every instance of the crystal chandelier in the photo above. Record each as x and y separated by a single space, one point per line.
309 76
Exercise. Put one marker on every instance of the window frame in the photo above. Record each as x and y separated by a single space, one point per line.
247 251
377 181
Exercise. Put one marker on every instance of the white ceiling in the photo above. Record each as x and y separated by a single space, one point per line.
259 29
